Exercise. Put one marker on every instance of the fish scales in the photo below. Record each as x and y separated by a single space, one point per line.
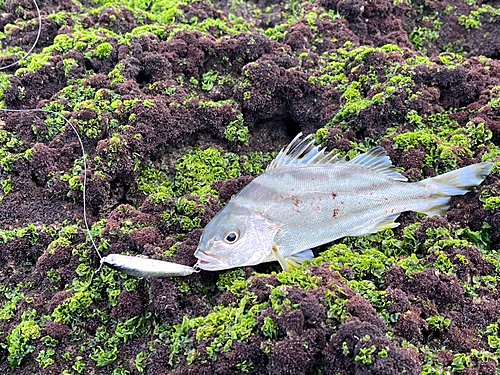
307 198
339 200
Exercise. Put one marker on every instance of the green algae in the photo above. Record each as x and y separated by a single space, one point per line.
232 281
154 182
81 40
492 203
297 277
368 257
495 98
12 296
93 42
270 329
474 19
163 11
338 66
11 150
19 340
236 131
103 51
365 355
4 85
438 323
443 140
135 327
44 358
225 325
366 265
421 37
197 170
369 266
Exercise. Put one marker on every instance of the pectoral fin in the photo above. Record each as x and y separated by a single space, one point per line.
283 262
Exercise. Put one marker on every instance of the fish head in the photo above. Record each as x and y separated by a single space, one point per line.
235 237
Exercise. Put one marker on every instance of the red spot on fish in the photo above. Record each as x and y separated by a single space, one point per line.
334 195
335 213
296 202
374 184
341 202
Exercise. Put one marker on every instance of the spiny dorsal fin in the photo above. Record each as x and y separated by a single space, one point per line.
377 160
302 151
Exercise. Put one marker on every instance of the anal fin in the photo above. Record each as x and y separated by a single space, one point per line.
297 260
292 261
386 223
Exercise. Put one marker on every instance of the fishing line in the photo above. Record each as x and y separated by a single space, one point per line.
67 122
84 163
171 268
34 44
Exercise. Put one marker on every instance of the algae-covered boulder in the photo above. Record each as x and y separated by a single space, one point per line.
179 105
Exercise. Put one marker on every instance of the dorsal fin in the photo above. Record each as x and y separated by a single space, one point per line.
377 160
302 151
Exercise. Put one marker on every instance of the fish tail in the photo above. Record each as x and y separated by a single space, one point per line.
457 182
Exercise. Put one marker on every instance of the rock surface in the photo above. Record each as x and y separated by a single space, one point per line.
180 104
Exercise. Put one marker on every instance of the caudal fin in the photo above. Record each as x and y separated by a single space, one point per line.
452 183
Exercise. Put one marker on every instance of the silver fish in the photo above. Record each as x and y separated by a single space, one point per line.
145 267
307 198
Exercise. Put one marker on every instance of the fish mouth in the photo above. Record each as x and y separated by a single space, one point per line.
210 262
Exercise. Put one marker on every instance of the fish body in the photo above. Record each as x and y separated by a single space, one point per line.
145 267
307 198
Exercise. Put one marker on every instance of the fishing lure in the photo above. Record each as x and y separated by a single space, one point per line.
305 198
145 267
135 266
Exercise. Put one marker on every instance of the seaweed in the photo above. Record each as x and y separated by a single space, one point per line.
180 104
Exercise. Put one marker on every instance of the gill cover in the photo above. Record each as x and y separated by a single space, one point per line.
236 237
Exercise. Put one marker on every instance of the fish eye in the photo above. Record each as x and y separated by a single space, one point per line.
232 235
